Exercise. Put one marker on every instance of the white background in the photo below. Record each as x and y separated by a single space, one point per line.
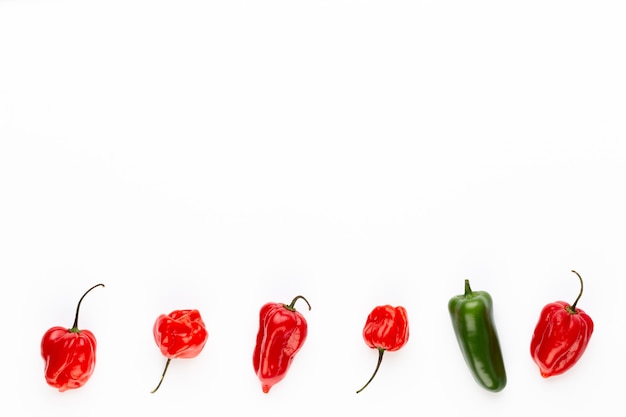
219 155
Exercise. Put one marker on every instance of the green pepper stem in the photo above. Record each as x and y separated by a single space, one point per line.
293 303
468 289
74 328
381 351
167 364
579 294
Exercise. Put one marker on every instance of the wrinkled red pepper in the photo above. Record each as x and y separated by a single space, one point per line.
180 334
386 329
282 332
69 354
561 336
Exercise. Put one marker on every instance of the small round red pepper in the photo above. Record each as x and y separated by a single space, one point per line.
386 329
180 334
282 332
561 336
69 354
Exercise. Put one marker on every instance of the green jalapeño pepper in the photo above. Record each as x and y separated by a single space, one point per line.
472 320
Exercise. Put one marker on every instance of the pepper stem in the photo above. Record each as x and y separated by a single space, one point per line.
293 303
167 364
573 307
381 351
74 328
468 289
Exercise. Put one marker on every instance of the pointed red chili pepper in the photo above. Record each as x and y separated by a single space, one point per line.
561 336
180 334
282 332
69 354
386 329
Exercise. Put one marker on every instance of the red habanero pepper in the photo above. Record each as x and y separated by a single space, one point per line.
180 334
282 332
69 354
386 329
561 336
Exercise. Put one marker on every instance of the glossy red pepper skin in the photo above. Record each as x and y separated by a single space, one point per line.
282 332
386 329
180 334
69 354
561 336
